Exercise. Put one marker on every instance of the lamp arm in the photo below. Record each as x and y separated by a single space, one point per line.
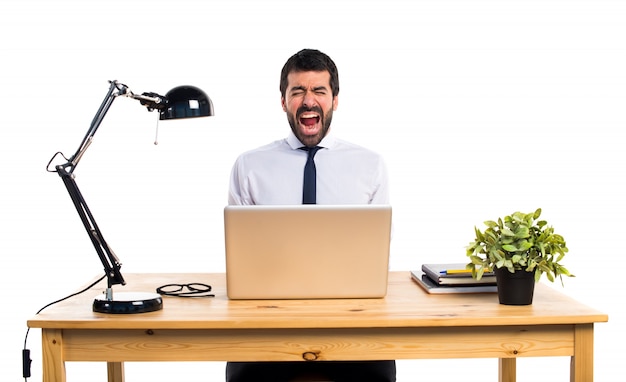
110 262
95 123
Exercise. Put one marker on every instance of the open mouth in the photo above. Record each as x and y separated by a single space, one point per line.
309 119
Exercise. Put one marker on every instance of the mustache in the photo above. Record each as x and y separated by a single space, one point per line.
304 109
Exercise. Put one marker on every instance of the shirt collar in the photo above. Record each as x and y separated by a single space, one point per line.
327 142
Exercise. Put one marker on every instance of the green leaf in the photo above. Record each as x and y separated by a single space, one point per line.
537 214
508 232
522 232
524 245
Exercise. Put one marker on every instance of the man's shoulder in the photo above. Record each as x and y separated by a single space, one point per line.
274 145
277 146
344 145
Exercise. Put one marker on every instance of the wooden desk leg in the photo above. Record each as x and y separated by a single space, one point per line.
115 371
507 371
581 366
52 354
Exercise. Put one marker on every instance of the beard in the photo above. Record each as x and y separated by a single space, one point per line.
310 140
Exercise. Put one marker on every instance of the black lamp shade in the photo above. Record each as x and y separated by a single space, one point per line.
186 102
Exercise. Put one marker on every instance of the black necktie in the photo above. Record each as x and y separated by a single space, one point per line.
309 189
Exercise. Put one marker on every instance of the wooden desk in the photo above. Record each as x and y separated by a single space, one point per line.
407 324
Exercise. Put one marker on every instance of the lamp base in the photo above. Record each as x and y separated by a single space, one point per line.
128 303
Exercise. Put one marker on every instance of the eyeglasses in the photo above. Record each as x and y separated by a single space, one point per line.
185 290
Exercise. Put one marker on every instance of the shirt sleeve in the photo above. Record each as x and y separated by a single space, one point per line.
236 191
381 195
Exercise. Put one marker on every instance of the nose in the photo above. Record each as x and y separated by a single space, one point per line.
308 100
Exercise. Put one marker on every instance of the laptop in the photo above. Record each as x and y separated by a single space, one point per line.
307 251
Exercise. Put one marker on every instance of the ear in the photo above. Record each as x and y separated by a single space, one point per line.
282 103
335 102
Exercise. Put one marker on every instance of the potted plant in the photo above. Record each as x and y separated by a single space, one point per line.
518 247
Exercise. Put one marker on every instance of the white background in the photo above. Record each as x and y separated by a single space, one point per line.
481 108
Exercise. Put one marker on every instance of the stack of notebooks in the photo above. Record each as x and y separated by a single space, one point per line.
453 278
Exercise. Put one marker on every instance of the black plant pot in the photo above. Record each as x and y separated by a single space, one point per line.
515 288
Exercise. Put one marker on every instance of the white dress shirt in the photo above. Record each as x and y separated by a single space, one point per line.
273 174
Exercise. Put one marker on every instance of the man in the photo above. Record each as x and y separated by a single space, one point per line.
274 174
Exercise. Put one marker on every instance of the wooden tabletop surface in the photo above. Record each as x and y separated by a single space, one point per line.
406 305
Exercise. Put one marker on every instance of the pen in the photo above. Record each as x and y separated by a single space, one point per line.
455 271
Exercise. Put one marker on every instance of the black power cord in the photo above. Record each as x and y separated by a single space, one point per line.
26 361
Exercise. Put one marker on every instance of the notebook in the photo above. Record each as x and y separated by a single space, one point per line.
432 287
455 274
307 251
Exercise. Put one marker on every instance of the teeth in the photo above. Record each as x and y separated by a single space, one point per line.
307 115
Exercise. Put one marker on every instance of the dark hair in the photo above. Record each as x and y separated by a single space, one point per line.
310 60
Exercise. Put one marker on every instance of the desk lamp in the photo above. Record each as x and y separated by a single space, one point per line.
180 102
